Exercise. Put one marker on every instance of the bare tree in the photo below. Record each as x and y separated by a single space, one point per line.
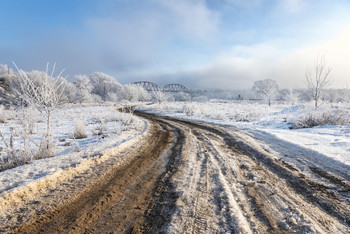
318 78
266 88
44 93
161 96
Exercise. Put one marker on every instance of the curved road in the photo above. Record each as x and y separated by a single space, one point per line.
191 177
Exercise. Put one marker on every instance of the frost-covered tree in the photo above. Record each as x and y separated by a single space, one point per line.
135 93
84 89
7 77
318 78
161 96
182 96
143 94
267 89
71 92
42 91
289 95
105 86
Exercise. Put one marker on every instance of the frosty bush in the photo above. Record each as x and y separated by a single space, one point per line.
79 131
317 117
102 127
118 131
10 156
246 117
47 148
189 109
125 118
2 114
197 109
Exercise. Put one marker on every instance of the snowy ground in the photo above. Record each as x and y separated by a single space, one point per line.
104 126
216 177
330 142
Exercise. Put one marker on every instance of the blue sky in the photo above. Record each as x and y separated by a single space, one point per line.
200 43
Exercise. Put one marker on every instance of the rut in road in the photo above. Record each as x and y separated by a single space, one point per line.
118 201
228 185
198 178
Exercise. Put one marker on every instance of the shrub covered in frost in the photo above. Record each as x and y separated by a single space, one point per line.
2 114
192 109
47 148
312 117
79 131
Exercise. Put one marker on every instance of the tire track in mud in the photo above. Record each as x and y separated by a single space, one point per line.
268 195
198 178
312 191
118 201
163 204
226 206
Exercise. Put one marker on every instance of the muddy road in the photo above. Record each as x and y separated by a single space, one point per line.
190 177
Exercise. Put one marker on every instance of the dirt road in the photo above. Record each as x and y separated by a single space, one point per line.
193 177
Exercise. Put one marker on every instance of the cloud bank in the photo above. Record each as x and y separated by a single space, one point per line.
202 44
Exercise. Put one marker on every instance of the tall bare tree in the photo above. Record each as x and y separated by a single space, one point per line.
43 91
318 78
267 89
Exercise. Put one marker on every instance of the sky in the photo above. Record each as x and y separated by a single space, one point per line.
202 44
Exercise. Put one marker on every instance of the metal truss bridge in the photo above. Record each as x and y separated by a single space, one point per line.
152 87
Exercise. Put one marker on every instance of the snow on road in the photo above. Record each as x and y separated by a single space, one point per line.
331 142
226 182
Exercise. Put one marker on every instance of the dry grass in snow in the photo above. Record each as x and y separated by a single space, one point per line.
73 128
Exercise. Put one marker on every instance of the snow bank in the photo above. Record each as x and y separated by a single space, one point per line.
74 156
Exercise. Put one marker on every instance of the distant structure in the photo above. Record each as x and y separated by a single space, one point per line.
175 88
149 86
152 87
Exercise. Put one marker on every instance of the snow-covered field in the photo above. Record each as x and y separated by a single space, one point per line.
330 141
109 136
104 126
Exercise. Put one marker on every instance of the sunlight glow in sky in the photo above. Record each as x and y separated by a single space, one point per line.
199 43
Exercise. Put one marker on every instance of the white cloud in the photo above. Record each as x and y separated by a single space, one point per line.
267 61
191 18
146 36
200 42
128 41
255 51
